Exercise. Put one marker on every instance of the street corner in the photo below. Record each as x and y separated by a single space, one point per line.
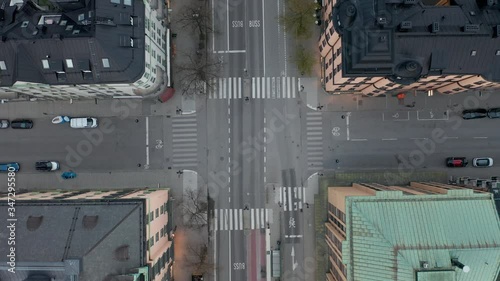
432 115
396 115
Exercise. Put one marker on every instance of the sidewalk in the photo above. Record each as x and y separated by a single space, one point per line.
98 181
411 102
94 108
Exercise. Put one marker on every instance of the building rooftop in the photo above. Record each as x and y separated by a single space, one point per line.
90 239
391 236
71 41
405 40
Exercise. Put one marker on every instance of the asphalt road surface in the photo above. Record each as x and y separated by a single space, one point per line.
115 145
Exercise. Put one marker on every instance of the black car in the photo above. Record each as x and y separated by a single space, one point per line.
21 124
474 113
47 166
494 113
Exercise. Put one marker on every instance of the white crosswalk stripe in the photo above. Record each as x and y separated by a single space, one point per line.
233 219
261 88
291 198
184 142
314 136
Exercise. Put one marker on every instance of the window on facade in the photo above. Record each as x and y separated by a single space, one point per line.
69 63
157 212
3 66
81 17
157 236
127 2
115 1
161 209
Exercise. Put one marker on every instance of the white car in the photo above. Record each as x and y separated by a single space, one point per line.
83 122
482 162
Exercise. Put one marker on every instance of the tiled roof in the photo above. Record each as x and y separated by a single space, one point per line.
389 236
95 35
405 40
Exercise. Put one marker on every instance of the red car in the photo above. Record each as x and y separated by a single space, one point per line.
456 162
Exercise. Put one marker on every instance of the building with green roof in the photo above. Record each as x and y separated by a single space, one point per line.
423 232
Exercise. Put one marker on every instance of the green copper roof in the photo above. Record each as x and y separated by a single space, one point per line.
389 236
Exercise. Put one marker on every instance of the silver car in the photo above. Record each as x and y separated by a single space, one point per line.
482 162
4 124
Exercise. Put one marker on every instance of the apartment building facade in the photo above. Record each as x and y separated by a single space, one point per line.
424 231
84 48
91 235
385 47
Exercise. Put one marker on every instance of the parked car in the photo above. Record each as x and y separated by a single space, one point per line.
474 113
4 124
21 124
47 165
482 162
5 167
494 113
456 162
83 122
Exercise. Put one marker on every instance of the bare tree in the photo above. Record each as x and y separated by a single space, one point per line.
197 73
299 17
200 260
304 60
196 17
194 207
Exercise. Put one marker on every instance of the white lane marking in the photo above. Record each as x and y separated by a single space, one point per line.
258 89
229 88
224 91
294 85
347 122
299 195
304 194
215 255
241 219
230 219
480 137
281 195
239 88
253 87
231 51
268 87
262 216
450 137
252 219
391 139
419 138
221 87
263 39
289 199
230 261
227 9
293 236
359 140
215 220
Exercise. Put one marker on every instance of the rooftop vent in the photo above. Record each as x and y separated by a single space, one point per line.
434 27
405 25
33 223
460 265
471 28
89 222
382 20
424 264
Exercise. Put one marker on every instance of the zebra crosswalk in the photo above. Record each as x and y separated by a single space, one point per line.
260 88
240 219
291 198
184 142
314 135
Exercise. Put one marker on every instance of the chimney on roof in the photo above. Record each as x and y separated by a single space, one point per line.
460 265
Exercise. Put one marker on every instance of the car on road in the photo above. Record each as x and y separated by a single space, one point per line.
21 124
456 162
4 124
474 113
83 122
14 167
47 166
482 162
494 113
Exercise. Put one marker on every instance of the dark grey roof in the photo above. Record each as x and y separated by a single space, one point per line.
53 235
85 31
405 40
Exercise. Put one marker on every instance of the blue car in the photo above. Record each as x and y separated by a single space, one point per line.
4 167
